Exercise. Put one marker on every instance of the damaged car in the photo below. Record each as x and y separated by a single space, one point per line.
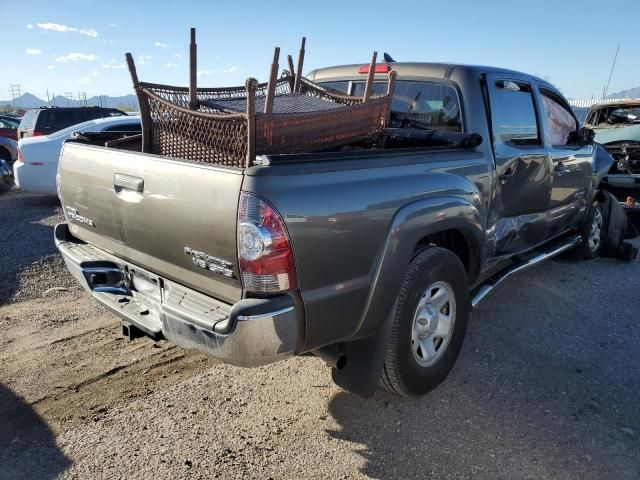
617 129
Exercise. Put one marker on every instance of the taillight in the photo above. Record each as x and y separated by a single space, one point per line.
264 249
20 159
38 134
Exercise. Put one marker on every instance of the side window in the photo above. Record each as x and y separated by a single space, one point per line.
56 119
513 114
94 114
127 127
560 122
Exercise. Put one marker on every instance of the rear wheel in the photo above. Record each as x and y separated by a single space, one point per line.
429 325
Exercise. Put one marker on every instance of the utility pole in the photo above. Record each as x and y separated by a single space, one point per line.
82 98
69 97
15 91
606 88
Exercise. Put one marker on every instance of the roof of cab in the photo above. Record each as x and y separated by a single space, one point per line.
617 103
411 69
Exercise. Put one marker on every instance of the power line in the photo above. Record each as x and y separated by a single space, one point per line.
604 92
15 91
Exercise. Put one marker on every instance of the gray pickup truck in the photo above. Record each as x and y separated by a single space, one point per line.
371 259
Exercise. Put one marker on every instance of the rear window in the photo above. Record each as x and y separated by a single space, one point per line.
9 122
424 105
56 119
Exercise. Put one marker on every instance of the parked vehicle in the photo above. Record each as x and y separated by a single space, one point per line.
617 128
6 177
47 120
35 170
9 127
8 150
370 258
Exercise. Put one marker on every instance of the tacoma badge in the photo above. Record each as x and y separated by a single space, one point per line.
209 262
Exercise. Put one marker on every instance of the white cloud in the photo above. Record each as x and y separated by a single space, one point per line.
89 33
114 65
86 80
230 69
50 67
143 59
115 25
77 57
29 26
33 51
171 65
177 55
204 72
57 27
160 44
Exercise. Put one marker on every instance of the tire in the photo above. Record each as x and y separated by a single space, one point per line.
592 233
409 371
5 155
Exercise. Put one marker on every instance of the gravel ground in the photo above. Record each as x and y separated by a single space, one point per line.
547 386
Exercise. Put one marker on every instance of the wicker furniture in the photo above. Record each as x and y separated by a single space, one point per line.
230 126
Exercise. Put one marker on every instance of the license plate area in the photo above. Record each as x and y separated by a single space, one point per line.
146 289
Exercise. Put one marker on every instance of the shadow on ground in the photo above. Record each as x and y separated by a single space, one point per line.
542 389
23 239
27 446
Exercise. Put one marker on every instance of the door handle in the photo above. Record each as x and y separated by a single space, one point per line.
127 182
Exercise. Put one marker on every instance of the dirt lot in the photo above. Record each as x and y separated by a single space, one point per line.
547 386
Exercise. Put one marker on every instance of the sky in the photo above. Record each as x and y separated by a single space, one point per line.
69 46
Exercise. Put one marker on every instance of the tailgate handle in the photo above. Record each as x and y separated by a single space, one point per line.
128 182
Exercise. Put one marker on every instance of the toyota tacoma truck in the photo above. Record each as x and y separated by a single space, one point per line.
370 258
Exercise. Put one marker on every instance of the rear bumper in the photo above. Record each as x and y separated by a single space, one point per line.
250 333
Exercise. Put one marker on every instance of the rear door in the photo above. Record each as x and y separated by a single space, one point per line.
571 161
523 180
174 218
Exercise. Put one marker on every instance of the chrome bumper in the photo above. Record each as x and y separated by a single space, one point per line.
250 333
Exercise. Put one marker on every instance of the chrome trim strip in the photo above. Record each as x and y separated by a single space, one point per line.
102 270
265 315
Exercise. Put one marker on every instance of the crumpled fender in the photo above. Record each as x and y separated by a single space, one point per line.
602 162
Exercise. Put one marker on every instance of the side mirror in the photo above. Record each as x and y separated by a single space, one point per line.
586 136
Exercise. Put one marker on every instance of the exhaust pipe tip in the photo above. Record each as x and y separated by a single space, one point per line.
332 356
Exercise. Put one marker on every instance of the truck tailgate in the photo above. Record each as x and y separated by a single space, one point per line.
174 218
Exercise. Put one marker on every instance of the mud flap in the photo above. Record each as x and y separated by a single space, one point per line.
365 359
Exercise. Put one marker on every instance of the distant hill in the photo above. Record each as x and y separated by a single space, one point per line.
631 93
27 100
